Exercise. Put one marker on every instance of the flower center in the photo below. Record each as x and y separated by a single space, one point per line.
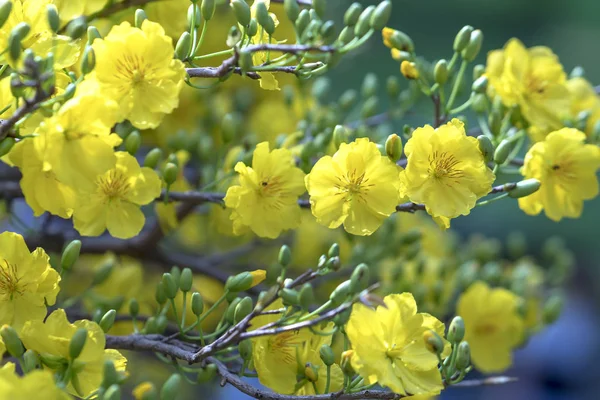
285 346
442 165
563 171
114 184
131 68
9 282
535 85
270 186
137 76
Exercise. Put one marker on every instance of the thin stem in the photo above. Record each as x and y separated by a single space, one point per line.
457 84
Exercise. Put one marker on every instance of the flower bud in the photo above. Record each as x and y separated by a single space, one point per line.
170 173
285 255
346 363
134 308
208 9
289 296
108 320
161 323
456 331
245 348
92 34
239 282
333 264
392 87
486 147
480 84
133 142
252 29
139 18
409 70
463 356
393 147
103 272
77 342
243 308
229 313
327 31
433 342
113 392
359 279
370 107
339 135
327 355
320 8
197 304
352 14
186 280
348 99
30 361
145 391
242 12
171 387
302 22
552 309
77 27
340 293
310 371
462 38
364 22
11 341
525 188
169 285
14 50
472 50
502 152
70 255
207 373
159 294
334 250
245 60
401 41
21 30
53 18
184 46
479 103
440 72
292 9
264 19
306 296
150 326
6 145
52 361
193 16
153 157
370 85
5 9
381 15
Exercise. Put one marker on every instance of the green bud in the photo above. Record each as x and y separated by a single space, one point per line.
440 72
393 147
108 320
478 71
327 355
285 255
169 285
113 392
333 264
186 280
70 255
21 30
381 15
140 17
359 280
456 331
92 34
525 188
392 87
239 282
502 152
462 38
479 103
14 50
463 356
340 293
77 27
30 361
230 312
161 323
197 304
102 273
243 308
245 60
5 9
159 294
170 388
170 173
364 21
264 19
552 309
327 31
306 296
134 308
11 341
273 272
184 46
342 318
292 9
472 49
245 348
207 373
77 342
241 10
302 22
334 250
401 41
433 342
320 8
352 14
6 145
480 84
252 28
193 20
133 142
52 361
370 85
53 18
369 108
88 61
290 296
150 326
110 374
348 99
208 9
486 147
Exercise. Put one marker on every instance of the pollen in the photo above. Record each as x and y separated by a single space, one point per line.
114 184
444 164
9 281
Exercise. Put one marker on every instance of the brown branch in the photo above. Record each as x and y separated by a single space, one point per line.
219 72
117 7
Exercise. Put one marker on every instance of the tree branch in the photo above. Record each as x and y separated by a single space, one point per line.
116 7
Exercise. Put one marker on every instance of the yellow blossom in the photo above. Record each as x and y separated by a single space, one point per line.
27 281
266 199
69 9
143 389
112 201
584 98
280 359
30 386
267 79
532 79
51 339
445 170
409 70
357 187
566 167
493 325
135 67
389 348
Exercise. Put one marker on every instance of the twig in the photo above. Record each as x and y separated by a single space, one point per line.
116 7
218 72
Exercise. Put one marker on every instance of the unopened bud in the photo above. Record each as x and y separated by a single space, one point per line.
334 250
113 392
440 72
229 313
70 255
472 49
77 342
369 108
285 255
234 36
264 19
11 341
478 71
479 103
5 9
134 308
169 285
462 38
340 135
243 308
340 293
334 264
184 46
346 363
292 9
153 157
171 387
352 14
194 16
245 60
409 70
381 15
302 22
525 188
197 304
53 18
139 18
252 28
133 142
92 34
327 355
480 84
242 11
239 282
77 27
245 349
433 342
393 147
364 22
6 146
208 9
108 320
463 356
290 297
486 147
359 279
102 273
306 296
159 294
30 361
502 152
456 331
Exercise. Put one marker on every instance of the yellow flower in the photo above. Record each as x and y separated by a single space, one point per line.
112 201
30 386
27 281
280 359
445 170
76 144
143 389
389 348
266 199
584 98
566 167
135 67
409 70
357 187
532 79
51 339
267 79
493 326
69 9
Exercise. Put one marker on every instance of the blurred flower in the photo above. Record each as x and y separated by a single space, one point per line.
584 98
30 386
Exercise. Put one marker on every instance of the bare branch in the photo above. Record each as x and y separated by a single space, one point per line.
117 7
